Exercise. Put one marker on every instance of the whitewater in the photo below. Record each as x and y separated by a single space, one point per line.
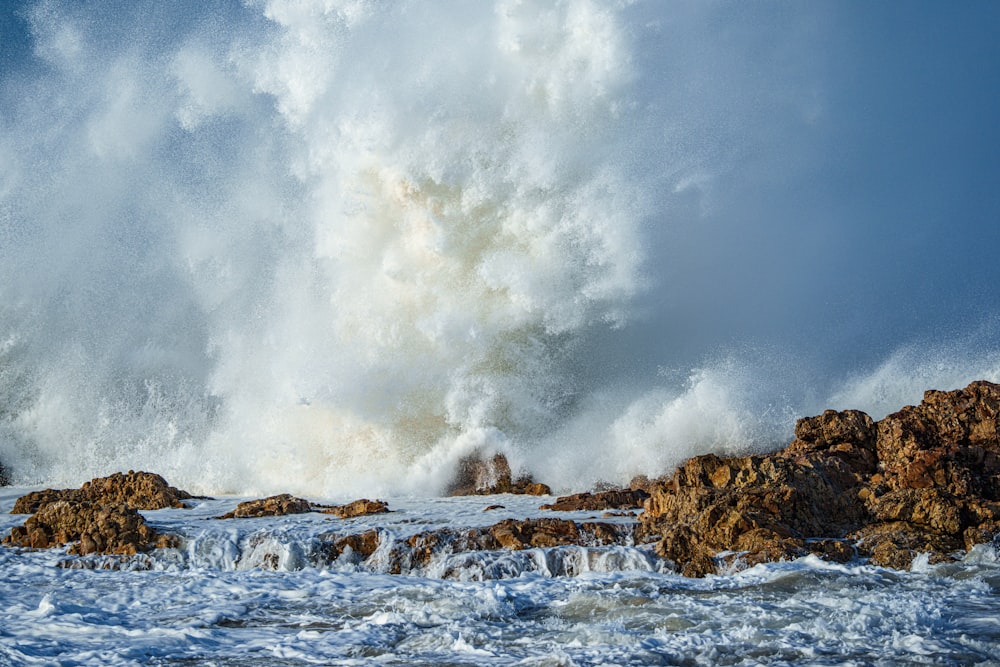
256 246
261 591
335 247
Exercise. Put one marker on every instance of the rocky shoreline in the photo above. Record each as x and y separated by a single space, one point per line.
924 480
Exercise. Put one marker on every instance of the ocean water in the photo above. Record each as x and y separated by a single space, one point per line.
333 247
257 592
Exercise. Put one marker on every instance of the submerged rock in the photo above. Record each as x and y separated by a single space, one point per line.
477 476
923 480
4 476
136 490
357 547
603 500
419 550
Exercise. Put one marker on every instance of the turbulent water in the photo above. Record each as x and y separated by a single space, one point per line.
258 246
331 247
259 592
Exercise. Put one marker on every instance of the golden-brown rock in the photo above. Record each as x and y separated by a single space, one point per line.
89 527
137 490
477 476
361 507
100 517
923 480
421 549
279 505
603 500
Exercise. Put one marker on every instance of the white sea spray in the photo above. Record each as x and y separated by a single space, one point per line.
322 246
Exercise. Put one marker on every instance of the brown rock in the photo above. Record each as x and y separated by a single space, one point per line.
645 483
923 480
929 509
599 534
273 506
89 527
479 477
99 517
357 508
421 549
838 551
360 545
849 436
29 504
528 488
137 490
836 428
949 442
616 499
516 535
896 543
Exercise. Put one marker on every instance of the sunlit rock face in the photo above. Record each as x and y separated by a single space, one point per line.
925 479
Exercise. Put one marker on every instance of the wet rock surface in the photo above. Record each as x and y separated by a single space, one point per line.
361 507
100 517
925 479
477 476
285 504
603 500
88 528
420 550
136 490
279 505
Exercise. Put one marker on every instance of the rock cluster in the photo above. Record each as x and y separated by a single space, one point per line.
100 517
136 490
88 528
923 480
479 477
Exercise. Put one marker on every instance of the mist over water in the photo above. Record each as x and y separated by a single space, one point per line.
332 247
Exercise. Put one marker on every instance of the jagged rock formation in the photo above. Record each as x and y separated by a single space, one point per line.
272 506
136 490
603 500
99 517
90 528
478 477
923 480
